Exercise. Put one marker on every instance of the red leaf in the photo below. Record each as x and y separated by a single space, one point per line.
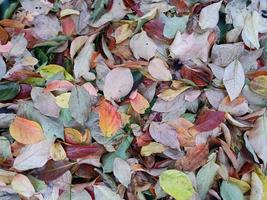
209 120
25 91
79 151
52 170
68 25
200 76
134 6
154 29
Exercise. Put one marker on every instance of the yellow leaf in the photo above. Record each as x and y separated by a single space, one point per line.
109 119
67 12
122 33
244 186
57 152
259 85
63 100
26 131
152 147
73 136
49 71
138 102
170 94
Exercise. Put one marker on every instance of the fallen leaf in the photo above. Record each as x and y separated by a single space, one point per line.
73 136
80 104
195 158
258 85
82 60
158 69
138 102
190 46
8 90
122 171
118 83
237 107
230 191
103 192
109 119
46 27
164 134
234 79
224 54
33 156
177 184
175 24
151 148
58 85
22 185
53 170
142 46
209 16
206 175
57 152
250 30
26 131
209 120
45 102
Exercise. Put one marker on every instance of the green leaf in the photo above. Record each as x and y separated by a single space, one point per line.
38 185
80 103
8 90
5 149
49 72
175 24
99 9
177 184
41 56
205 177
121 152
36 81
230 191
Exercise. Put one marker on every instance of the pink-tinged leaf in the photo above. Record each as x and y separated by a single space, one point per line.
22 185
138 102
52 170
209 120
6 47
164 134
73 136
58 85
80 151
68 26
90 88
109 119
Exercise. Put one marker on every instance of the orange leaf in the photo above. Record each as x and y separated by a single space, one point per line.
138 102
3 35
26 131
109 119
12 23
